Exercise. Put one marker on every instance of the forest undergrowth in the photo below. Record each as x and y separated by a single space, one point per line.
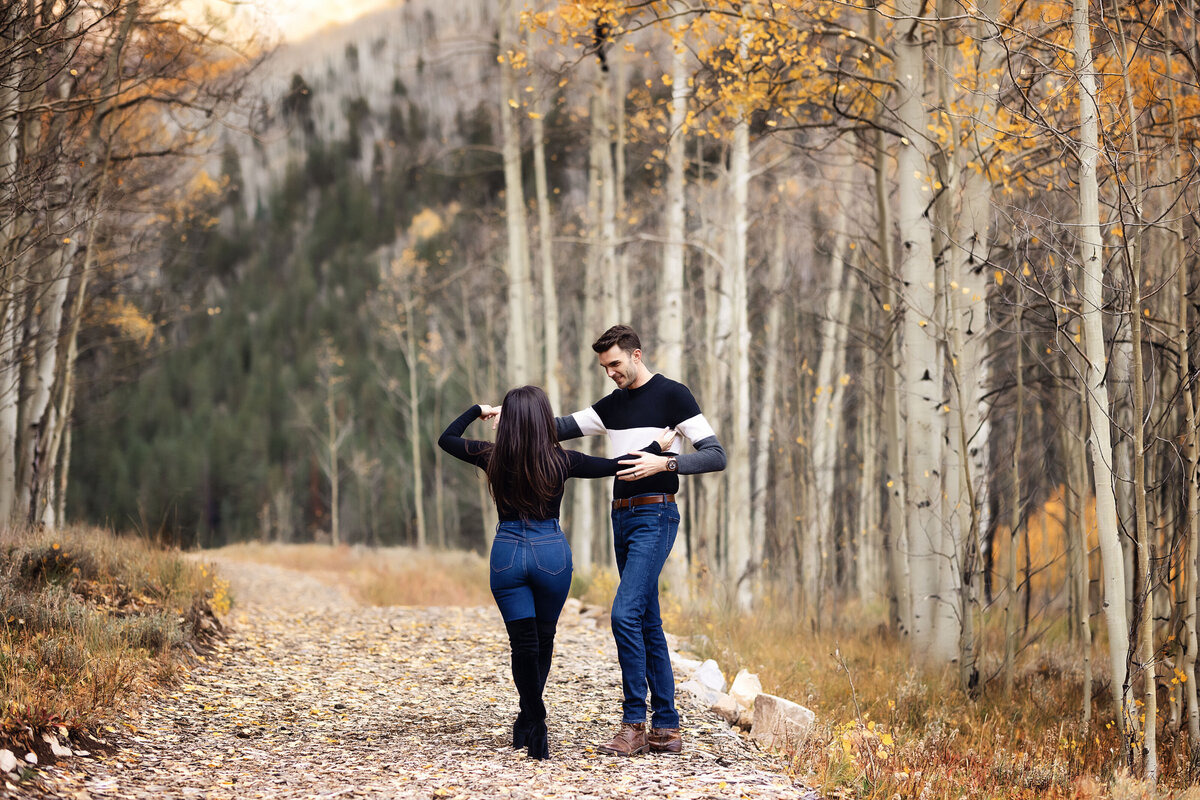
91 618
887 729
88 621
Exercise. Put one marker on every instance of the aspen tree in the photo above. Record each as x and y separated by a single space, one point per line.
20 128
825 434
771 355
51 431
899 586
1075 434
968 324
517 356
618 72
607 277
491 517
1191 443
670 288
922 376
546 251
1145 601
740 563
1010 574
1091 261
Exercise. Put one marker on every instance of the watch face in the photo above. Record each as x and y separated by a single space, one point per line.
672 465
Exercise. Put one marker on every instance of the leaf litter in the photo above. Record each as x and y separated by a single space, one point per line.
312 695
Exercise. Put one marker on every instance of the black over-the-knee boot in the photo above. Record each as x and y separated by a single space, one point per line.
529 730
546 631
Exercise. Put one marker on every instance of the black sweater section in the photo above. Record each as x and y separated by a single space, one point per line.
630 416
575 464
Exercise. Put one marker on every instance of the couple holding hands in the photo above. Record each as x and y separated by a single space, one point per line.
531 560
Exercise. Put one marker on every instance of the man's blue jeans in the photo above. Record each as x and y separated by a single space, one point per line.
642 537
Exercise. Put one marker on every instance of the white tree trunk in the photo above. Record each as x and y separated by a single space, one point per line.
670 289
968 318
738 492
1135 234
869 574
517 355
825 434
58 435
10 388
10 287
334 473
1191 449
486 506
1084 581
1091 259
922 374
45 330
549 290
414 430
584 507
1120 383
899 586
624 288
764 440
602 155
1014 521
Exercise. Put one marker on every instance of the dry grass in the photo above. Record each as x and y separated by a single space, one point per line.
388 576
89 620
887 729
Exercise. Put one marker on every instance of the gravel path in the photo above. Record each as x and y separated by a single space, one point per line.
315 696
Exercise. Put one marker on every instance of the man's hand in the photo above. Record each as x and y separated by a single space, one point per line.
641 465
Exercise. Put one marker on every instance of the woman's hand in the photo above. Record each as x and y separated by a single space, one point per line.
488 412
666 440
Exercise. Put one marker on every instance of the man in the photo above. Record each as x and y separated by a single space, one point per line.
645 520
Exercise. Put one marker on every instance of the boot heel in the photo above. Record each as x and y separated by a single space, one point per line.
520 732
539 742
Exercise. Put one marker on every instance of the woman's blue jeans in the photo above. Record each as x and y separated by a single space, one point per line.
530 569
643 537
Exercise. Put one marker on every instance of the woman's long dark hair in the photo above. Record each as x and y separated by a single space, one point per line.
526 468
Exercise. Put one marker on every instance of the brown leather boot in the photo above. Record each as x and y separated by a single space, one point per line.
629 741
665 740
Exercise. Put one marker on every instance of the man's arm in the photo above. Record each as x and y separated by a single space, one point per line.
581 423
709 457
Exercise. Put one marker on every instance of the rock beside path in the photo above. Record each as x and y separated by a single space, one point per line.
779 723
312 695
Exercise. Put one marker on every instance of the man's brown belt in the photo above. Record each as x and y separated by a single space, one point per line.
644 500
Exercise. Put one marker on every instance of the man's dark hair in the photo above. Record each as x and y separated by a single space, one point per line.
622 336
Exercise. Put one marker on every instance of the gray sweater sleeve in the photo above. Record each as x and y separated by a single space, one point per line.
709 457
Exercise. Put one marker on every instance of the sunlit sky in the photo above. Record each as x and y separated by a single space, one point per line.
296 19
290 20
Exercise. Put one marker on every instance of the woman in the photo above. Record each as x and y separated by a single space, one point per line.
530 560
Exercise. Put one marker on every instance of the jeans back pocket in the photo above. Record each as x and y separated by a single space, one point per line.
552 556
504 552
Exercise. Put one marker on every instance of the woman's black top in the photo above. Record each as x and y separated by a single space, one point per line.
575 465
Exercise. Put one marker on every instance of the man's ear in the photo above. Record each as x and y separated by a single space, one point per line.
636 355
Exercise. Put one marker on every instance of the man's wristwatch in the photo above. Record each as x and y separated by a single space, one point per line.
672 464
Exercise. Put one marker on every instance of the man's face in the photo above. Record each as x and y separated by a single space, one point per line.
622 367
